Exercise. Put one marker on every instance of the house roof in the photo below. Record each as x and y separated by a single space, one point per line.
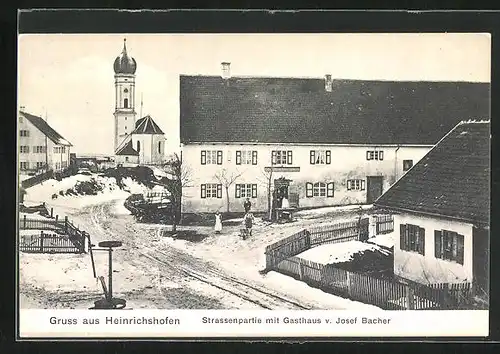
46 129
298 110
452 180
127 149
147 125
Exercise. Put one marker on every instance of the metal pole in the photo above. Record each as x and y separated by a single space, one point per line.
110 274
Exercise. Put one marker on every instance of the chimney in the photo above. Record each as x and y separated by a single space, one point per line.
328 83
226 73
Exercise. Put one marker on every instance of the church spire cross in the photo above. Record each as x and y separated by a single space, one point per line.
124 46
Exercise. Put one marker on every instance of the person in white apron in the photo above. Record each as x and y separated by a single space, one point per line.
218 223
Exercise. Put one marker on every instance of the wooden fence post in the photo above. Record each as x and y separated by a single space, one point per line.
24 221
301 269
349 290
51 213
66 224
409 297
57 217
41 241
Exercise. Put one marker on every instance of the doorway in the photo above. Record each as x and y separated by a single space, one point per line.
373 188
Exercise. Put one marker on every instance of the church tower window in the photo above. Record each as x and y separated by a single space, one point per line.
125 103
159 147
138 146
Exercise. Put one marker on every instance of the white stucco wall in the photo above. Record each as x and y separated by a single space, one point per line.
427 268
149 153
347 162
37 138
122 160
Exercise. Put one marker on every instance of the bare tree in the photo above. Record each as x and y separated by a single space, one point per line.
227 180
178 178
267 180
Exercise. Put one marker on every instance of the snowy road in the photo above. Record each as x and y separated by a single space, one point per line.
205 285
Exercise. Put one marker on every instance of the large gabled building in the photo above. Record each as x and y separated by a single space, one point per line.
441 210
320 142
41 148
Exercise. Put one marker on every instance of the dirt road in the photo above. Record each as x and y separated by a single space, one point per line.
142 269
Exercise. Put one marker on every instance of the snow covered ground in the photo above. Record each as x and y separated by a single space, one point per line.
338 252
386 240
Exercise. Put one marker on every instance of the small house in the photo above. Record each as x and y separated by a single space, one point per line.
441 210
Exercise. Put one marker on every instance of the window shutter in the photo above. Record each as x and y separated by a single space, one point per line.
203 157
254 191
219 157
311 157
273 157
329 190
421 243
289 157
368 155
460 253
238 157
380 155
309 190
349 184
219 191
438 244
362 184
402 238
328 157
203 190
254 157
237 191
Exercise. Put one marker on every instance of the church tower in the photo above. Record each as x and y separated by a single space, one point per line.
125 115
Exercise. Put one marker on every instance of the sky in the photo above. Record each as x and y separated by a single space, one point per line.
69 78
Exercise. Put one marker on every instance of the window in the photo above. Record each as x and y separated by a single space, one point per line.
412 238
319 189
246 157
24 149
20 119
125 103
245 191
126 158
57 149
138 146
211 157
449 245
281 157
39 165
355 184
24 165
24 133
320 157
159 147
39 149
58 165
375 155
407 164
211 190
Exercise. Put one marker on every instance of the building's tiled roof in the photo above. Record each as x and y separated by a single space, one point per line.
46 129
127 149
452 180
146 125
295 110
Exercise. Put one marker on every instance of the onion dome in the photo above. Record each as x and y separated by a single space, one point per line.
123 63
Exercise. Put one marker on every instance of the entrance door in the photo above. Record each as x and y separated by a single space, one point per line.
480 260
373 188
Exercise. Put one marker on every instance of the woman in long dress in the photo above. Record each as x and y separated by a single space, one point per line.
218 223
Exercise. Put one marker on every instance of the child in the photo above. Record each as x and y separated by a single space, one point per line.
249 223
218 223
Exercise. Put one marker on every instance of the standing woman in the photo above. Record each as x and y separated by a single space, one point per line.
218 223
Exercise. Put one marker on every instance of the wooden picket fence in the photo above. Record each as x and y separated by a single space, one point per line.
384 224
287 247
384 293
65 236
52 243
340 232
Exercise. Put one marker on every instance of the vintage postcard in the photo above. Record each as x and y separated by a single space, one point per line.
253 185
